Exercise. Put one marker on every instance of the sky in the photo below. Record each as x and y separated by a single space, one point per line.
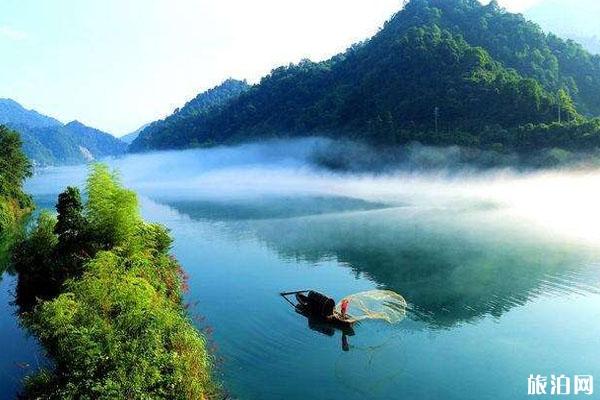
571 18
116 65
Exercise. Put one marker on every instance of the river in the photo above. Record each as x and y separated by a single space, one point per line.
501 272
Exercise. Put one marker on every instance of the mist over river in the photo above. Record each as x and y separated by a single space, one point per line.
501 270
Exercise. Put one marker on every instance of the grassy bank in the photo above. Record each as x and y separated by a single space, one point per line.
99 289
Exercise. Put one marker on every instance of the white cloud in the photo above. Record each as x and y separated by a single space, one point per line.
10 33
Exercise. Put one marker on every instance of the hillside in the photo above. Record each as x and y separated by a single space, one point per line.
174 129
439 72
47 141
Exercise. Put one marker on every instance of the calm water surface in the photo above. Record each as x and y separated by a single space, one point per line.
494 296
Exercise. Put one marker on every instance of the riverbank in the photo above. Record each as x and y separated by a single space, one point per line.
111 316
11 216
14 203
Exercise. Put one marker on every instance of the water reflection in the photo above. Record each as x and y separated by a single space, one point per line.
327 329
452 265
263 208
463 250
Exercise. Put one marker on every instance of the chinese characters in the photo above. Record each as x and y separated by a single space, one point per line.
560 385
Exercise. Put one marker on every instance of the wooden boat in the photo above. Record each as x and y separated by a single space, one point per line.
315 305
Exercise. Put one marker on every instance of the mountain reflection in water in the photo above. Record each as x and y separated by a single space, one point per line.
452 265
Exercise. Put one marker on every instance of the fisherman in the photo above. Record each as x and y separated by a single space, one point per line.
344 307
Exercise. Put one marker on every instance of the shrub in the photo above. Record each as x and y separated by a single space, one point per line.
113 322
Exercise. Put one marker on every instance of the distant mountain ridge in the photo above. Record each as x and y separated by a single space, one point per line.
440 72
12 113
591 43
130 137
576 20
46 141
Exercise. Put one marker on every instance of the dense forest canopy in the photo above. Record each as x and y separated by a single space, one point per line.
440 72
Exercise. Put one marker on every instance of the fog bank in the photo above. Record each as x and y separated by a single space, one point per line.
561 202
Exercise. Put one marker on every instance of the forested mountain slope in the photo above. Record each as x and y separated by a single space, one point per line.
175 129
439 72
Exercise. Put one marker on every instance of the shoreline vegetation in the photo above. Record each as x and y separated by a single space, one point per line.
100 291
15 204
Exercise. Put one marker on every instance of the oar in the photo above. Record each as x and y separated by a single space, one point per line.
285 294
289 293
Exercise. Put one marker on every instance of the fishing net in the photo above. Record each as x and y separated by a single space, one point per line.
375 304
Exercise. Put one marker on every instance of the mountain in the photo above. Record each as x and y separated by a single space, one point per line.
47 141
440 72
12 113
130 137
98 143
175 128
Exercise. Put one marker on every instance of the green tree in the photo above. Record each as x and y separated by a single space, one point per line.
70 222
567 106
14 169
33 258
112 210
75 241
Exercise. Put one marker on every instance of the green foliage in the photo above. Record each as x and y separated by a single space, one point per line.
112 321
515 42
8 218
14 203
71 222
113 334
14 167
76 240
174 129
484 69
112 210
33 258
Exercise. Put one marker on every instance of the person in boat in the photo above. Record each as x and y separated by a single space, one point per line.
344 307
